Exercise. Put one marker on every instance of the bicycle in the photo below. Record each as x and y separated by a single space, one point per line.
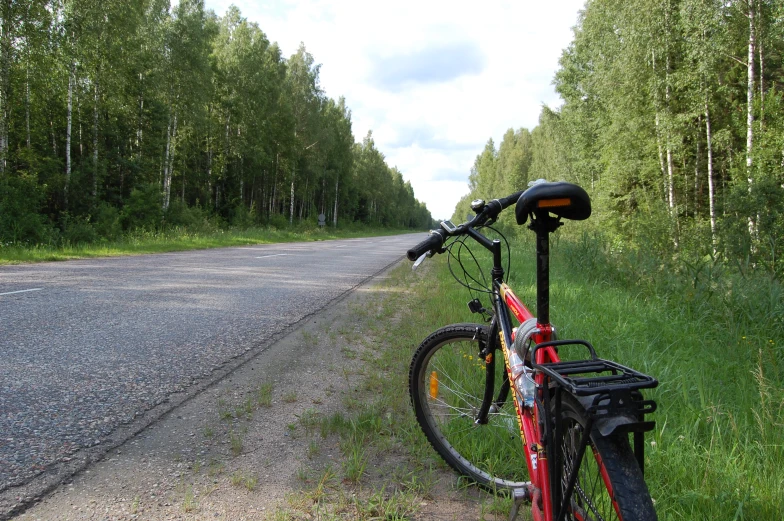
570 420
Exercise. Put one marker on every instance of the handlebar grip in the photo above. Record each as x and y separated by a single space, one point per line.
434 241
511 199
496 206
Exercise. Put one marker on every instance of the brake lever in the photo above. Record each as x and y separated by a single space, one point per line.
419 261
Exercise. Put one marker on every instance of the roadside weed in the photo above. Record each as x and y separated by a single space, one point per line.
235 440
189 503
354 464
264 395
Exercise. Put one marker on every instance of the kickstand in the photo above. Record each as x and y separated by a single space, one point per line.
519 496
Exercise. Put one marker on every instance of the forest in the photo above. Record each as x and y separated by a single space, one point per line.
118 115
673 120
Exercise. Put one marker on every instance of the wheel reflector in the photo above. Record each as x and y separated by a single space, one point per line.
434 385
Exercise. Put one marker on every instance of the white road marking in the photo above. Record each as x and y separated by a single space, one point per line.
275 255
20 291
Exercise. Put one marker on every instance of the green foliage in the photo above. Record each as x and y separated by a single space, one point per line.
655 127
171 98
21 199
143 208
193 218
77 230
107 222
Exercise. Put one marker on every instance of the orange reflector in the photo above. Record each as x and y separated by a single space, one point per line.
434 385
552 203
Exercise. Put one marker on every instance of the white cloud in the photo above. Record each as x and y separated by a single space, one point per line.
433 79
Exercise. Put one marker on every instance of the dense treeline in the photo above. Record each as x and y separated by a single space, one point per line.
673 119
119 114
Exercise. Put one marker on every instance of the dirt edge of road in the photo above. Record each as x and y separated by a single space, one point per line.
245 443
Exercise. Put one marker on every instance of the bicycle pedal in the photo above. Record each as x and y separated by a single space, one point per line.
519 496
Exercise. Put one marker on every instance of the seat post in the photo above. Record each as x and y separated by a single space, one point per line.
543 224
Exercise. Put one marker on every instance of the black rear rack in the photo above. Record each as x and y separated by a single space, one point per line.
575 376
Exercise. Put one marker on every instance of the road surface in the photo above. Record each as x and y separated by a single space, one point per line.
87 347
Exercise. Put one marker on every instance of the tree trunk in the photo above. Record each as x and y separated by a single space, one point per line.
5 81
168 159
79 119
69 122
750 94
761 80
291 208
657 127
27 100
668 138
140 127
711 201
222 179
274 200
335 211
697 158
209 151
95 146
750 117
302 205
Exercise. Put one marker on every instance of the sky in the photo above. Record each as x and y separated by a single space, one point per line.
433 80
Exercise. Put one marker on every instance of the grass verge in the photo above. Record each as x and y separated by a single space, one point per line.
179 239
716 452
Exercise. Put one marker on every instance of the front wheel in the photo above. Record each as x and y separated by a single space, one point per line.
447 382
609 485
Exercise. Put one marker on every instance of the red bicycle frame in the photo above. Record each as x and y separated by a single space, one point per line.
536 458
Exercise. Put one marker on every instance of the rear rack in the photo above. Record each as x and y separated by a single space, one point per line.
574 376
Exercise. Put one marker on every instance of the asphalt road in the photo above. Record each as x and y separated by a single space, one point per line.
88 346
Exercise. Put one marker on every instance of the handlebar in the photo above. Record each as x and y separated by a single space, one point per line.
433 242
488 213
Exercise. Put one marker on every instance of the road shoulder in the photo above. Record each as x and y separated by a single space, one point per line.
297 432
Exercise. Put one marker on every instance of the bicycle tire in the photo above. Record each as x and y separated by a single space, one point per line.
610 485
491 454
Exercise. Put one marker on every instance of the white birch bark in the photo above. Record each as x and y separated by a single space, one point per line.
750 95
166 164
209 150
6 27
140 123
27 101
69 122
711 201
291 208
335 211
750 117
668 138
95 145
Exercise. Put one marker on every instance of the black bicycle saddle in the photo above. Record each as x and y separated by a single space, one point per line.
565 200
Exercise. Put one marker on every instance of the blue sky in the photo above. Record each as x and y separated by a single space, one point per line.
433 79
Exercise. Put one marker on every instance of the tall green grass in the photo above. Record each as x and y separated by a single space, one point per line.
713 337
